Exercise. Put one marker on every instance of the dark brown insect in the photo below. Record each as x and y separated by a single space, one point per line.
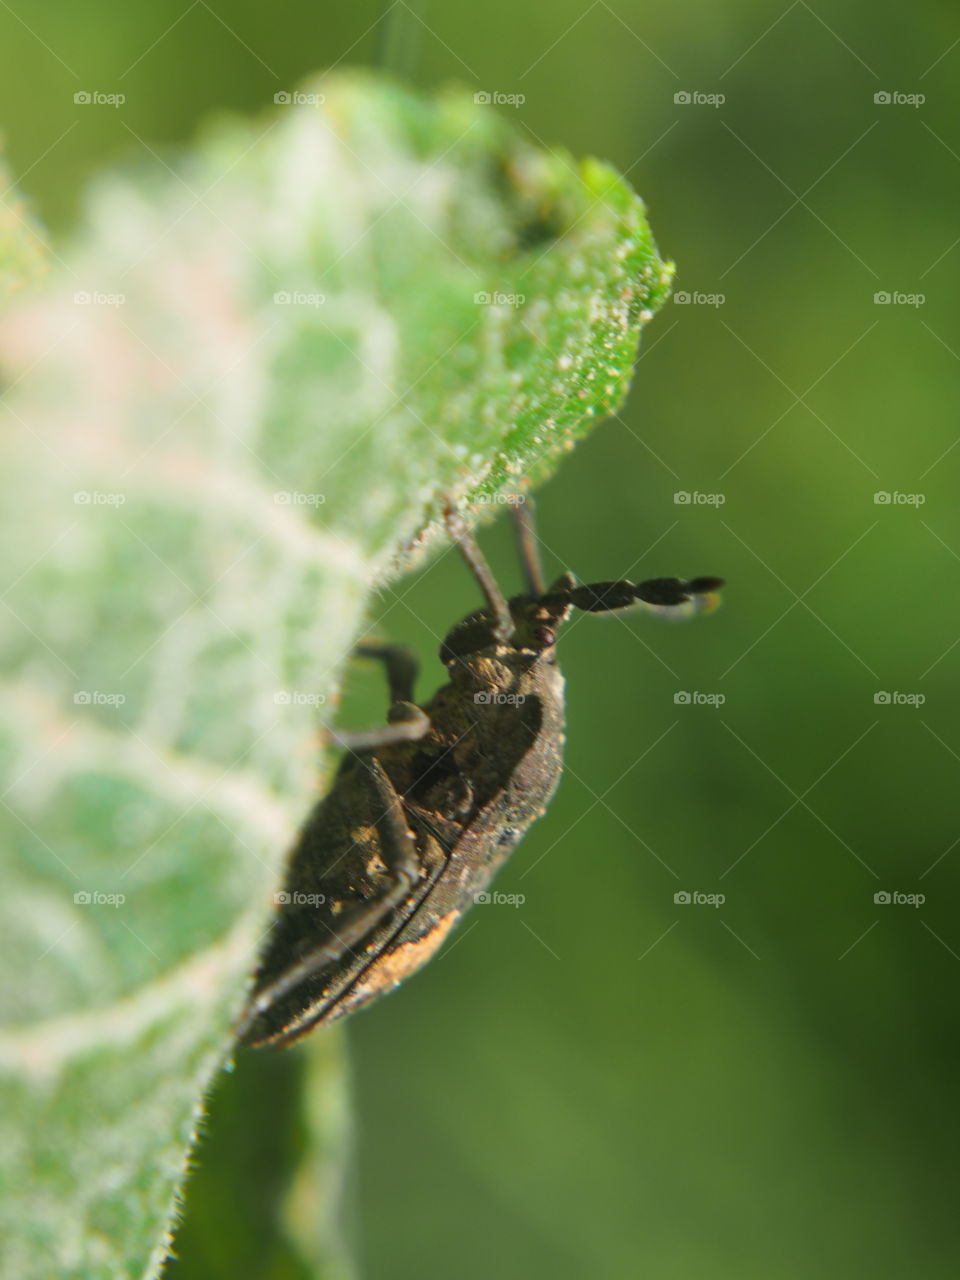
423 811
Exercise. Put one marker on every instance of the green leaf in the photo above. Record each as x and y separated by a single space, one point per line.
21 254
266 1199
240 405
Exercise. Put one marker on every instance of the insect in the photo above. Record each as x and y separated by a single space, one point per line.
424 810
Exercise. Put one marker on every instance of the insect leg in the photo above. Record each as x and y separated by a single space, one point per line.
476 563
400 664
525 527
405 720
405 723
399 853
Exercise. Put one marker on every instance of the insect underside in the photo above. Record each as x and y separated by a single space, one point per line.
423 811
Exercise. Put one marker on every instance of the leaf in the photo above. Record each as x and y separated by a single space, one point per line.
240 403
21 254
266 1199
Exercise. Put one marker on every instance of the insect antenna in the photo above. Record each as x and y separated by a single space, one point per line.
603 597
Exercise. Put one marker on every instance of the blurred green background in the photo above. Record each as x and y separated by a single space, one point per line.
605 1082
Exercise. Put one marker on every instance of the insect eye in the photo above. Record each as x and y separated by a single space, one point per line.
544 637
